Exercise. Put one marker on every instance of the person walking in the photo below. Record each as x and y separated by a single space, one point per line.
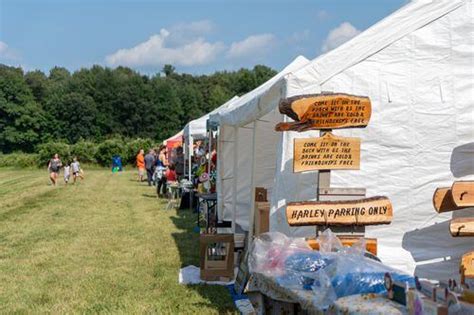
140 161
54 166
161 165
76 170
150 166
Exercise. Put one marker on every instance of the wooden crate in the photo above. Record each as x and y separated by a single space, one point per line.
221 247
262 217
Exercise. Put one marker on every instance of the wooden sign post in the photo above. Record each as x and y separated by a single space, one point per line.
328 152
325 112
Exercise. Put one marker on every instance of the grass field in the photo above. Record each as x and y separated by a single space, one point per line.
105 245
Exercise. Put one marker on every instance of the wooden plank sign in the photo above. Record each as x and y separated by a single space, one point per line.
443 200
467 266
463 193
328 152
368 211
462 227
325 111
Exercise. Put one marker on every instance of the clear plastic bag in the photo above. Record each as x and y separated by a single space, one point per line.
333 272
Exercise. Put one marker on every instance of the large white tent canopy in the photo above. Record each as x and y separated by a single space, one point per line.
234 159
417 68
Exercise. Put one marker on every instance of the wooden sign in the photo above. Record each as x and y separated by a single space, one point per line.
443 200
467 266
463 193
328 152
325 111
368 211
462 227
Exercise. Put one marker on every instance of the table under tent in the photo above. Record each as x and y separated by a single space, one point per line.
416 68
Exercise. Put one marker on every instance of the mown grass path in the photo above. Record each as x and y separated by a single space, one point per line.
105 245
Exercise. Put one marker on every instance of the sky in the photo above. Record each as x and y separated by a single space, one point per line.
196 36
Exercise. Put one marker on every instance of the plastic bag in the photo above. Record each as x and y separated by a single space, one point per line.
333 272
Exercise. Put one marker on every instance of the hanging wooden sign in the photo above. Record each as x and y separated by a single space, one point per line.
443 200
328 152
325 111
462 227
368 211
463 193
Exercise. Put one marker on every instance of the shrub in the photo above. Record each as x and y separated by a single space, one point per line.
47 150
107 149
133 146
85 151
19 159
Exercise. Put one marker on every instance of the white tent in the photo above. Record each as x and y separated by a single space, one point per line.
234 153
197 130
417 68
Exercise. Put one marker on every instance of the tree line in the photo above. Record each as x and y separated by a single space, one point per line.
98 103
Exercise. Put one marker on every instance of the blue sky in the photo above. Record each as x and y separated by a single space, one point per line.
195 36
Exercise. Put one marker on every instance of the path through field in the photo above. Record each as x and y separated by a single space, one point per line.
105 245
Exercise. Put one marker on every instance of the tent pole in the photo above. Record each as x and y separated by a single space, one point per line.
234 177
252 184
209 153
190 145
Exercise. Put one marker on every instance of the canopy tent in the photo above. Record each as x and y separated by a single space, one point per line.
234 157
416 67
197 130
174 141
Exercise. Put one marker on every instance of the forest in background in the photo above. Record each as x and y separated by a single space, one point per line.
99 104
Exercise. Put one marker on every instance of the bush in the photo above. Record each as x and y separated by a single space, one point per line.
47 150
107 149
19 159
133 146
85 151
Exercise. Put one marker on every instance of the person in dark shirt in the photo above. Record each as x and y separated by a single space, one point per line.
150 166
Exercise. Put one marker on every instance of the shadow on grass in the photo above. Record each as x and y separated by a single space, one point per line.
154 196
187 241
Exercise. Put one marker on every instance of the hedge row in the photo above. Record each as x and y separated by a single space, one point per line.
86 152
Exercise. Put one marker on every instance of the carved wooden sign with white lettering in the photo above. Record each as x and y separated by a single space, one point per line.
325 111
328 152
368 211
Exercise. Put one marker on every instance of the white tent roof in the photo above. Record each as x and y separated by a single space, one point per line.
253 101
416 67
197 128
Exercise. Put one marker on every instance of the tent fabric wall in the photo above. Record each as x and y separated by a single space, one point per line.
227 152
420 80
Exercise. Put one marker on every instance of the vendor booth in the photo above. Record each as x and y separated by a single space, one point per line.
197 130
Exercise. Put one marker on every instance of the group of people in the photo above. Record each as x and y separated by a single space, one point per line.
55 165
159 168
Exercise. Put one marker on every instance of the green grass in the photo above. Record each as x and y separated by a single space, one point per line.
105 245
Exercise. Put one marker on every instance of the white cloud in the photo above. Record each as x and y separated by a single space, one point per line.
339 36
252 46
182 45
6 52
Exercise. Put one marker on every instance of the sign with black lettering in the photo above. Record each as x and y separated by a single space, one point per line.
368 211
325 111
328 152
